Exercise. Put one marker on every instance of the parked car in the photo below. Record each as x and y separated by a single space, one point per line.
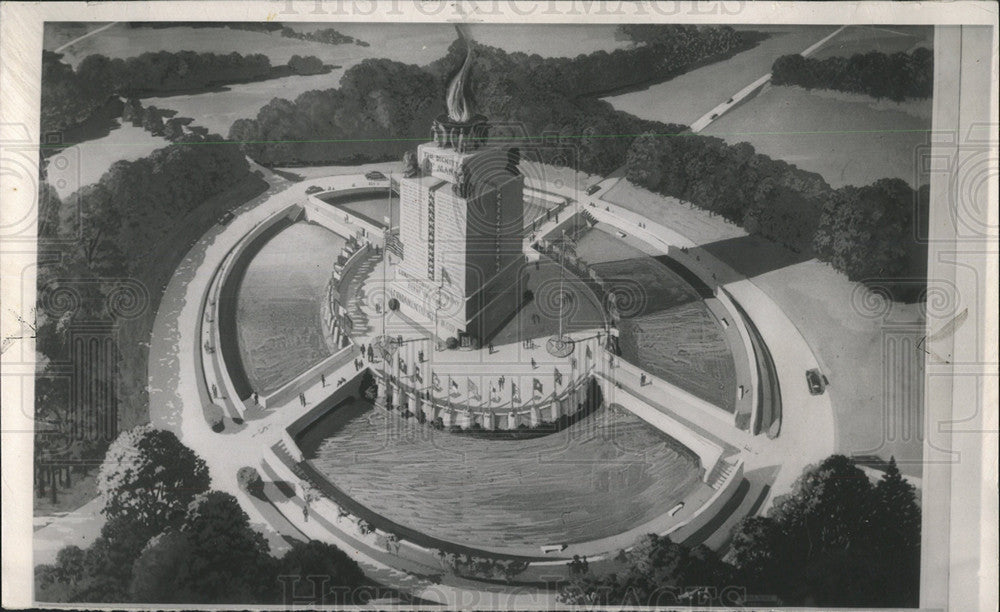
816 381
375 175
593 189
226 218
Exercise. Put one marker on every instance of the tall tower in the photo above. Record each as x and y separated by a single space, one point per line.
461 228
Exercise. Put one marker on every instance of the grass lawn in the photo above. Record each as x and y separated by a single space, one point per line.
85 163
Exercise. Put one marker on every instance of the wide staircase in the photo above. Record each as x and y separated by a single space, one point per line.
720 473
353 295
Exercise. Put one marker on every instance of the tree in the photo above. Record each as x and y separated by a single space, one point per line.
655 572
148 477
865 232
332 573
228 561
827 542
309 64
157 574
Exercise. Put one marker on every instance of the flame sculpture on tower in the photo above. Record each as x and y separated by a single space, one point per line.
461 224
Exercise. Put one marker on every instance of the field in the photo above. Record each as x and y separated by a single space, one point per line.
278 307
889 39
85 163
562 488
687 97
848 139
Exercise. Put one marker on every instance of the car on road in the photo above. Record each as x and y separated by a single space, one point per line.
714 116
375 175
226 218
593 189
729 101
816 381
313 189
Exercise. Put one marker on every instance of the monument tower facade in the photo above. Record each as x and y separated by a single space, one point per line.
461 227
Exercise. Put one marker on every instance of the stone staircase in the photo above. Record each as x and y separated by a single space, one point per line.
720 473
354 296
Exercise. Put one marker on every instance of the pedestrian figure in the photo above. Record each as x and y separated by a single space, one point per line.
491 348
362 347
215 390
305 512
302 398
501 382
642 380
420 356
371 353
533 363
322 380
256 398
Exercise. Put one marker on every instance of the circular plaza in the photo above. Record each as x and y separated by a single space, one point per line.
454 465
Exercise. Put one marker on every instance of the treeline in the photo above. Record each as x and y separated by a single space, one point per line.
327 36
70 97
383 107
868 233
106 264
673 51
170 539
378 111
897 77
836 539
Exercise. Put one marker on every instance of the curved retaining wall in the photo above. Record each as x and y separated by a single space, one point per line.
231 277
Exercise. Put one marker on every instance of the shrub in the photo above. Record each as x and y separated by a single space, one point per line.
250 480
216 418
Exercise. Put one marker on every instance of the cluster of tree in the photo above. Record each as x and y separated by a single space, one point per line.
868 233
309 64
675 50
250 26
835 540
769 197
874 233
327 36
898 76
379 109
169 539
162 122
70 97
382 107
105 235
482 567
169 71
